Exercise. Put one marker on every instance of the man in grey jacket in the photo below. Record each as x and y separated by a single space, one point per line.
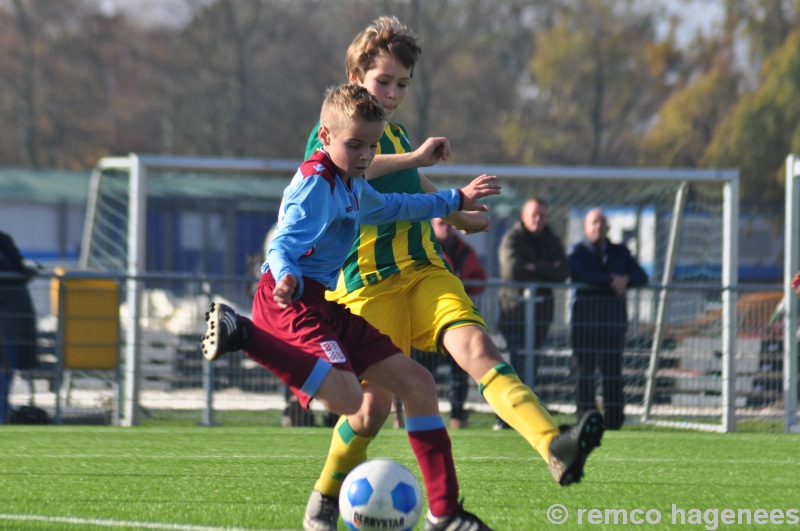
529 252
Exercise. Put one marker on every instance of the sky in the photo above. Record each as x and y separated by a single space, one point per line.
702 15
705 16
167 12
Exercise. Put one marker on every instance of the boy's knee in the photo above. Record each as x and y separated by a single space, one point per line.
346 404
471 341
419 384
341 393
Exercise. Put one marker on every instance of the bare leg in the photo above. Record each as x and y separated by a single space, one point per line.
409 380
340 392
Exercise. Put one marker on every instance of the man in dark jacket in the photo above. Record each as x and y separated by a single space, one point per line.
600 316
17 319
529 252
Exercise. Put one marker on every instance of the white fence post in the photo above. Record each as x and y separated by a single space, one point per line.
791 262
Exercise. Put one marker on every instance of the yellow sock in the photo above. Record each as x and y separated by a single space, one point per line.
347 450
515 403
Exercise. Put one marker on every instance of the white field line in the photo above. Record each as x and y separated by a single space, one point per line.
98 522
535 458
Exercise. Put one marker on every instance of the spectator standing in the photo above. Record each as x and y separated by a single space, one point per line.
600 315
17 319
529 252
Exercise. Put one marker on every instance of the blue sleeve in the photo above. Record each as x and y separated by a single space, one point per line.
582 270
306 212
636 275
377 208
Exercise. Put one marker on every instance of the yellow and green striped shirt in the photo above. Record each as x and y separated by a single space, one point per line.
382 250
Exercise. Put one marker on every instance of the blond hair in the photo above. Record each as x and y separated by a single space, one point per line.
384 35
345 104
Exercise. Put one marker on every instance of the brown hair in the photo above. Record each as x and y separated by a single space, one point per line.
384 35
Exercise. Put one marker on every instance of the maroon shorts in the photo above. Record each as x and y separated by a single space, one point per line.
319 327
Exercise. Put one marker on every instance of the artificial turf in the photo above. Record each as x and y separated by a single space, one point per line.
203 479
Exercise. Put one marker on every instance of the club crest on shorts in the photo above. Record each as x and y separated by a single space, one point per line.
333 351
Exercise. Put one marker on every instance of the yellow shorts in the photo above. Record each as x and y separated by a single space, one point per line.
414 306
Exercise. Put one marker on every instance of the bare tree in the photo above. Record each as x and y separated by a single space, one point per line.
513 81
593 90
26 89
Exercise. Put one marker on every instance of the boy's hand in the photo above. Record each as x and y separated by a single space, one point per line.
796 283
482 186
468 222
284 291
432 151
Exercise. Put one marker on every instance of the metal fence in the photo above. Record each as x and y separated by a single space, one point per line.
101 357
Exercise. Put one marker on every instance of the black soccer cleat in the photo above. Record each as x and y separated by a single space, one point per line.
569 450
223 333
322 513
460 520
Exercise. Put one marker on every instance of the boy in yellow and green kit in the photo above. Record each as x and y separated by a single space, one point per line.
396 278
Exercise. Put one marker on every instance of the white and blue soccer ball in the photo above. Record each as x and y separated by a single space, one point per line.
380 494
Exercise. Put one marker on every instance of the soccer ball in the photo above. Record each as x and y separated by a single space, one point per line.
380 494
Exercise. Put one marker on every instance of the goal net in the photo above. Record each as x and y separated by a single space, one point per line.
182 231
192 228
683 353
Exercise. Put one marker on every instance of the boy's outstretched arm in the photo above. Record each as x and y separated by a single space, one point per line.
429 153
466 222
377 208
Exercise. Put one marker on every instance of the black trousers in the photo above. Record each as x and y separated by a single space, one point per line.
593 346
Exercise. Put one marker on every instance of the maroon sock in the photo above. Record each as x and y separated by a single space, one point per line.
435 457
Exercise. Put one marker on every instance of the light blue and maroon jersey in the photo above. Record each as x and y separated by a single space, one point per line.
380 250
320 216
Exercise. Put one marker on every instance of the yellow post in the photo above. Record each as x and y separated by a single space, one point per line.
90 321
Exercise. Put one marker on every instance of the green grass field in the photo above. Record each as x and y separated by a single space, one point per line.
198 479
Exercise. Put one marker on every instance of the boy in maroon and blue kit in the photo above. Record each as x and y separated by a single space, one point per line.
319 348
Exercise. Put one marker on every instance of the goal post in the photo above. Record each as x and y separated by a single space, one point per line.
116 228
791 266
663 297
